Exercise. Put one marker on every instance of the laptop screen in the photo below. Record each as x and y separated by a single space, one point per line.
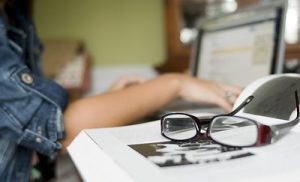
238 48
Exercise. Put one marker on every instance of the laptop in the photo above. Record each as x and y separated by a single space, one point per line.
237 49
241 47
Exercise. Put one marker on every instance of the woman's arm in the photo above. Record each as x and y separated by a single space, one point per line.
135 102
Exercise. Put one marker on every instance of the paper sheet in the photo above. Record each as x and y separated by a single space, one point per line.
276 162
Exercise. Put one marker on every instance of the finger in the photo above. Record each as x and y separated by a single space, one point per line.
224 104
229 93
233 89
233 99
236 90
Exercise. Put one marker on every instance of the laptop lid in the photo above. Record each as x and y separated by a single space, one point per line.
241 47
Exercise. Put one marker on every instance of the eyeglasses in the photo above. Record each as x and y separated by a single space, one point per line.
226 129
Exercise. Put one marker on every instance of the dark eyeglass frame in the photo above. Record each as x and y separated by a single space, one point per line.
266 133
201 121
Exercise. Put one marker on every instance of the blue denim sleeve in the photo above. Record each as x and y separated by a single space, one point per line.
30 106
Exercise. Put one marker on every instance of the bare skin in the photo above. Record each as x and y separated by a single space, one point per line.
125 105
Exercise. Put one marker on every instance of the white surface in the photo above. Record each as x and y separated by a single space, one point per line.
272 163
93 163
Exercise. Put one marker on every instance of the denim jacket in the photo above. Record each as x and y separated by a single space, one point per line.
30 106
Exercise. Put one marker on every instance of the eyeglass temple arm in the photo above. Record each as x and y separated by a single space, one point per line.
281 129
241 106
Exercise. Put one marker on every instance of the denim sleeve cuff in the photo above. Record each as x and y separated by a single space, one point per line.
39 143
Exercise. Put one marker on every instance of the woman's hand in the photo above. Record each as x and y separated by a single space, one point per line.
203 91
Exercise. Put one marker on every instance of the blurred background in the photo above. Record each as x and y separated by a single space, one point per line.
114 32
134 35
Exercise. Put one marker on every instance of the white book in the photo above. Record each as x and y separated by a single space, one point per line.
139 153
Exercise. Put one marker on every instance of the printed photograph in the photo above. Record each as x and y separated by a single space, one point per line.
204 151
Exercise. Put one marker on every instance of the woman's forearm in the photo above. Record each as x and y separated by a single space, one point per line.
127 105
130 104
120 107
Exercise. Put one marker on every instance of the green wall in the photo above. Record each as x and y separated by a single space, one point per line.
115 32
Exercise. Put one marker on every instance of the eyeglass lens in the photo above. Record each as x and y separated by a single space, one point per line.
233 131
179 127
